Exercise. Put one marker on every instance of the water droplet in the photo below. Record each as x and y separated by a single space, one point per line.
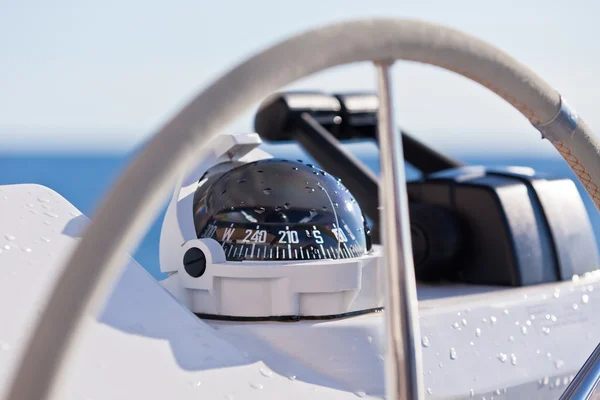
286 206
260 171
493 319
278 208
257 386
266 372
558 364
575 306
511 339
313 212
546 330
513 359
45 239
547 316
27 250
590 288
198 384
455 325
585 298
478 332
464 322
532 317
502 357
575 278
505 311
292 377
369 339
242 180
453 353
259 210
50 214
556 294
9 237
324 208
441 365
43 200
360 393
425 341
295 168
524 330
429 391
310 165
267 191
336 204
528 323
471 393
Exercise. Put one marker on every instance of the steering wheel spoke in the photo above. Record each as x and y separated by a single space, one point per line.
405 381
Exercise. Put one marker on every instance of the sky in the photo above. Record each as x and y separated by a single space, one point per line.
104 75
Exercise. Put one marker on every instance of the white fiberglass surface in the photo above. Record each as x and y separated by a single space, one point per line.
509 343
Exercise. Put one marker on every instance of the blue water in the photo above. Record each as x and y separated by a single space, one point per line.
84 179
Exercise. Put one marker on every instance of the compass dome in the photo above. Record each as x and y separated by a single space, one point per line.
277 209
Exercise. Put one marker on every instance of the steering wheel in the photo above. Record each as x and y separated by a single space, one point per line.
127 211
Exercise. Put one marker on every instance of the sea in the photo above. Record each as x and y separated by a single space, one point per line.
83 179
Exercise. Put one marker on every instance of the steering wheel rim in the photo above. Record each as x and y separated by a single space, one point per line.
126 212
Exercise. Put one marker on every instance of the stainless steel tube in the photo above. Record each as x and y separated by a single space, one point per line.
584 386
404 379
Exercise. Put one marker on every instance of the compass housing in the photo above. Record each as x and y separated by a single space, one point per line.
250 237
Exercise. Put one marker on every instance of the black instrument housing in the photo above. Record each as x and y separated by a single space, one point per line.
469 224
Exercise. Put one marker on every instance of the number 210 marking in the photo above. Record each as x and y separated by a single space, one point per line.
288 237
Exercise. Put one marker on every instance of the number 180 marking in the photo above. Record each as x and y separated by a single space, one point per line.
339 235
